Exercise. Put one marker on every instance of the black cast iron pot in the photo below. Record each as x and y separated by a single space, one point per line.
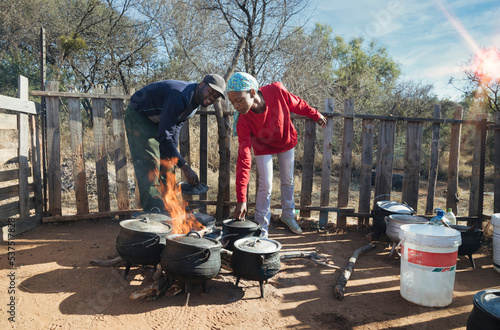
191 258
206 220
158 217
256 258
141 241
485 314
471 241
233 230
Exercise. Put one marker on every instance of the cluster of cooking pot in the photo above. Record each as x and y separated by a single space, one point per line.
195 257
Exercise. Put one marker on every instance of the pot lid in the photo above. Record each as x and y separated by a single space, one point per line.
153 216
190 189
489 302
395 207
204 219
146 226
193 239
257 245
245 224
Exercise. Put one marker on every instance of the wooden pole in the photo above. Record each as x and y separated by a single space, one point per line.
101 156
385 158
433 165
346 163
453 162
308 166
496 198
326 171
120 146
365 185
53 151
413 159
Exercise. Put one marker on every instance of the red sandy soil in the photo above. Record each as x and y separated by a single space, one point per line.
57 288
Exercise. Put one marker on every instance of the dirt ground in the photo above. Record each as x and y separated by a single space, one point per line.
55 287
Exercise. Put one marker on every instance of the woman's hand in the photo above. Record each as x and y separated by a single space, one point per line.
240 211
322 121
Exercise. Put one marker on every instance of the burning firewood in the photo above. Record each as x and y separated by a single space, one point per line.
115 262
342 281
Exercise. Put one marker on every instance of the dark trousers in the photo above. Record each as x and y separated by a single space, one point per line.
145 152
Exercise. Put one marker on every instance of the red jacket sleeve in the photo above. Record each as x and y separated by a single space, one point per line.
244 162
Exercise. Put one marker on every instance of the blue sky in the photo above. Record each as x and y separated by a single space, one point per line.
431 39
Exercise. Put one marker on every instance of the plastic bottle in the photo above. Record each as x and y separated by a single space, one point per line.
450 217
437 220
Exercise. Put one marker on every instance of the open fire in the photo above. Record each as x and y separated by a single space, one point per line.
183 221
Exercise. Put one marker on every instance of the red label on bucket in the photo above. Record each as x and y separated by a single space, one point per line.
431 259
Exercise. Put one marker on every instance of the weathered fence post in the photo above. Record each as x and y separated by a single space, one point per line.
385 158
345 162
413 158
203 154
23 149
433 165
326 172
308 166
223 192
53 150
185 151
120 154
453 162
101 156
365 185
79 174
477 177
496 198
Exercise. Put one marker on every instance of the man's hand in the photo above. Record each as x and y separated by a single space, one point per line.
240 211
191 176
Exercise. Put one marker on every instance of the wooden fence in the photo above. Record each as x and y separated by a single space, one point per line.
20 174
384 159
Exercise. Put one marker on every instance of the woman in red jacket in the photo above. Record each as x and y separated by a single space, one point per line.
264 124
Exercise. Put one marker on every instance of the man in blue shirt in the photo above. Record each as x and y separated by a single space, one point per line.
153 120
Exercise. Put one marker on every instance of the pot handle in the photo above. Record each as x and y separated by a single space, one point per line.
206 252
153 241
194 232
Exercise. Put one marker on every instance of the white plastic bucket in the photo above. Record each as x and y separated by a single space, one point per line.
495 221
428 264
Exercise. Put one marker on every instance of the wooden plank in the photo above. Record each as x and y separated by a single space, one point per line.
308 167
413 160
23 146
97 95
79 174
433 164
227 169
24 140
385 158
223 129
101 156
117 108
14 104
454 161
97 215
326 168
346 162
8 121
53 151
36 164
475 202
9 155
203 155
496 196
184 147
365 181
9 210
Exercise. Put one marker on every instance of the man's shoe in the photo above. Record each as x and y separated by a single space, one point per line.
292 224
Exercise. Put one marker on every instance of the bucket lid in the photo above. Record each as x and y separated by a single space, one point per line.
407 219
395 207
489 302
435 236
146 226
257 245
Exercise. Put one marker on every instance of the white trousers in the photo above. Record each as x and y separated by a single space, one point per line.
263 201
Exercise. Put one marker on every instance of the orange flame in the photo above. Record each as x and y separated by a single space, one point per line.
183 222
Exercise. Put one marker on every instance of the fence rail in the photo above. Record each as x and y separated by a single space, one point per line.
384 159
